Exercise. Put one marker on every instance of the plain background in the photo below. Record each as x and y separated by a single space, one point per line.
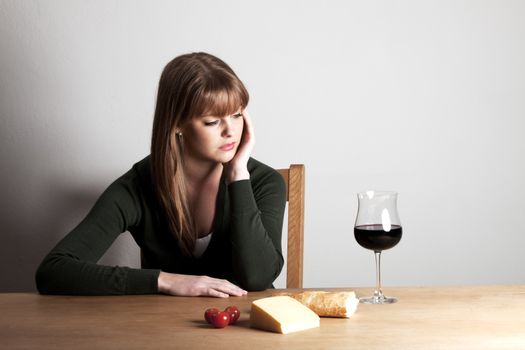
423 97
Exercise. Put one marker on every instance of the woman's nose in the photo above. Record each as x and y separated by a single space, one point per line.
227 129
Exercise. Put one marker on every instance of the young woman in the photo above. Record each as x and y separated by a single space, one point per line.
207 217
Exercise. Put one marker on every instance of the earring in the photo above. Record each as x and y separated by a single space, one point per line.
179 135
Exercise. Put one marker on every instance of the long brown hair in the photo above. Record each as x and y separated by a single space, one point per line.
190 86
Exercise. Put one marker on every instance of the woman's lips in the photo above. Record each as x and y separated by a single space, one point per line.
227 146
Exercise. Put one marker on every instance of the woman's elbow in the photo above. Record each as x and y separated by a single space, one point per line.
42 280
45 278
254 282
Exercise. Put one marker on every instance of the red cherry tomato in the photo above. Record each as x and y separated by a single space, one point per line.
220 319
234 313
210 313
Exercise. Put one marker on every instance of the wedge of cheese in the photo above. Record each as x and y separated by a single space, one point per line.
282 314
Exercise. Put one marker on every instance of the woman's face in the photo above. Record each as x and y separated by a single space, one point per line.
213 138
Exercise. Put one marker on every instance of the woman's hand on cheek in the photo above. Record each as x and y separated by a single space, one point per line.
188 285
237 168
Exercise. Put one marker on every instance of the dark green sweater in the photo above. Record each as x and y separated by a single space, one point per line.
245 247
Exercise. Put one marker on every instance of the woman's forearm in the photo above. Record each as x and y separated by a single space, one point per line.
256 228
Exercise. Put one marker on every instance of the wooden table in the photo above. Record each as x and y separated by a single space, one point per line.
473 317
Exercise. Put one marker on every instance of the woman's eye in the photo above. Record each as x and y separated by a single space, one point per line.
215 122
237 115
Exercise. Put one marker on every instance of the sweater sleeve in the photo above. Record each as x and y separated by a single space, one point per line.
71 266
256 222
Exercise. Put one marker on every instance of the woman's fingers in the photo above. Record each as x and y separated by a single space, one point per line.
248 132
237 168
188 285
225 286
215 293
248 122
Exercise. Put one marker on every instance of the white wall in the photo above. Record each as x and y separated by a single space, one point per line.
423 97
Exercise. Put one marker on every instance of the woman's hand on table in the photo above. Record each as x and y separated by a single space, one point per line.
189 285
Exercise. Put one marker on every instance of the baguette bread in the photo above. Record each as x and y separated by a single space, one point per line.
327 304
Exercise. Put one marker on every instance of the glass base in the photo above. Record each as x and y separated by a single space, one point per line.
378 300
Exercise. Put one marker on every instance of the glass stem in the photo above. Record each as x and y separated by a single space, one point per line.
378 293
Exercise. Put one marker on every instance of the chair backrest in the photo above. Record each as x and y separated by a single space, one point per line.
294 178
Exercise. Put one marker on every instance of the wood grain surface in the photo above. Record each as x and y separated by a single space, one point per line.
469 317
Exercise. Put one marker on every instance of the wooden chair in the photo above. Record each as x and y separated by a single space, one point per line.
294 179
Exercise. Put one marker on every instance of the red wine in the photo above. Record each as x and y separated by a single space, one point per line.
375 238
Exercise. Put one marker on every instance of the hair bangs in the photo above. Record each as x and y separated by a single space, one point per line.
221 100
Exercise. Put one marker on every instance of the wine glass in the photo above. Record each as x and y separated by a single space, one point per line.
377 227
